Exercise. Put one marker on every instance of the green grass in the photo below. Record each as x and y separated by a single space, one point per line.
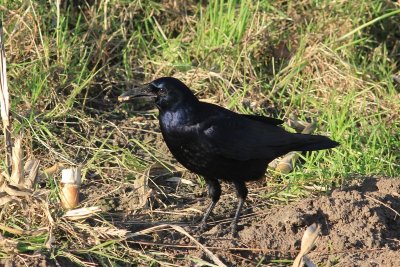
67 64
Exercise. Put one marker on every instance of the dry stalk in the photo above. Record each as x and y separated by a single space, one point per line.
5 102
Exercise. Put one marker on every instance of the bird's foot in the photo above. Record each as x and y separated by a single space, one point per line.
232 229
201 228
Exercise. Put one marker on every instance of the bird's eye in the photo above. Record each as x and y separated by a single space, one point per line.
153 87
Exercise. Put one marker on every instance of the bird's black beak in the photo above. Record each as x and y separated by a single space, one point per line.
143 91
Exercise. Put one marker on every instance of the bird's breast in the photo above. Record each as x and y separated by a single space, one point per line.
191 153
181 140
199 156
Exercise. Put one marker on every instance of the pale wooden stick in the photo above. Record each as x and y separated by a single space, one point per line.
5 102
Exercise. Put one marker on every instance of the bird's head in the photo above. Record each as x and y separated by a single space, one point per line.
168 93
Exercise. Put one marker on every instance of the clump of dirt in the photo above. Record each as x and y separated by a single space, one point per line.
359 226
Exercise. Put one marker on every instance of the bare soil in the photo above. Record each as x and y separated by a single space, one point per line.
359 223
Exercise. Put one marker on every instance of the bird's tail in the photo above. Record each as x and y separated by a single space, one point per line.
308 142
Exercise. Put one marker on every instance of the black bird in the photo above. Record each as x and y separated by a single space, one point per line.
217 143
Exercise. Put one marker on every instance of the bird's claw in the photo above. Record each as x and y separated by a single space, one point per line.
201 228
232 229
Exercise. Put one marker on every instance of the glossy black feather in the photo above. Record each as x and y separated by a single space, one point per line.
267 120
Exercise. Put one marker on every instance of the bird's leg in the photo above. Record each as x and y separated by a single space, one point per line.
214 191
241 191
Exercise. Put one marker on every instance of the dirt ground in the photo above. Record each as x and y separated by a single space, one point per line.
359 224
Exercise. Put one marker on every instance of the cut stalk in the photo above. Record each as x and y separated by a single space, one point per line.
5 102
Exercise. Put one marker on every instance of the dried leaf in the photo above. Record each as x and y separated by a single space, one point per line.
31 167
53 169
14 191
11 230
50 240
50 171
142 186
81 213
285 165
111 232
309 237
297 125
4 175
4 199
307 243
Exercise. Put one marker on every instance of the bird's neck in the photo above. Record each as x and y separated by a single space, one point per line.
182 116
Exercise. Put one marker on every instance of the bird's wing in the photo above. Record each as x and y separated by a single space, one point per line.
263 119
239 138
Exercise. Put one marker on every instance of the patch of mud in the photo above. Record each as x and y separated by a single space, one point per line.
359 226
